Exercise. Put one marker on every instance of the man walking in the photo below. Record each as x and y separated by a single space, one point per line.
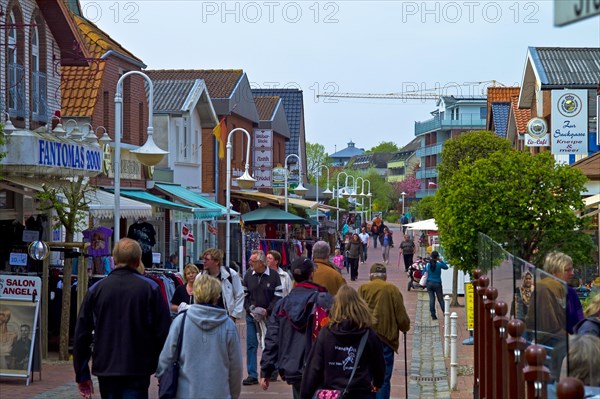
126 318
326 274
262 288
273 261
290 326
232 291
364 239
387 306
407 249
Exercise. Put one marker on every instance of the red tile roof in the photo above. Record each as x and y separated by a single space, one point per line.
219 82
499 94
266 107
522 116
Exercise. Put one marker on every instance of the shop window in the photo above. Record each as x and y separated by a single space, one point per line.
7 199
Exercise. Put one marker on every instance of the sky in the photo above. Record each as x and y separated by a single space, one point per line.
444 47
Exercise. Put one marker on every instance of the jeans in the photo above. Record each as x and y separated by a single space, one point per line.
435 289
388 355
364 252
251 347
408 260
375 239
130 387
386 253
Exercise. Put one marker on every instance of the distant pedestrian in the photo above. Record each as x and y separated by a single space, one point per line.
333 355
387 307
407 249
326 273
404 221
434 282
210 362
172 262
364 239
338 259
262 287
354 248
290 327
126 345
387 243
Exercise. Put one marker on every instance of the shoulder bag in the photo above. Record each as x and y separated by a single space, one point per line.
338 393
423 280
167 383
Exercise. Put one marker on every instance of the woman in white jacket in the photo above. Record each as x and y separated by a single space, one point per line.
211 358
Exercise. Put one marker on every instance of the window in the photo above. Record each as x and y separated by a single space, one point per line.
482 112
38 77
7 199
184 140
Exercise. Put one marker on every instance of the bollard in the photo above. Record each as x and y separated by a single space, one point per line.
453 353
447 326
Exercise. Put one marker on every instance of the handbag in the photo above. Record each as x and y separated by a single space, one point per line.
338 393
423 280
167 383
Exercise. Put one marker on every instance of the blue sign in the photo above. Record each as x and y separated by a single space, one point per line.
69 155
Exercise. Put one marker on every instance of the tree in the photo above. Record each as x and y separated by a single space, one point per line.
515 198
424 209
315 156
462 150
384 146
67 198
409 186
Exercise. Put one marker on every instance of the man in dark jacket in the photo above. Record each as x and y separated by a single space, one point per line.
127 320
290 327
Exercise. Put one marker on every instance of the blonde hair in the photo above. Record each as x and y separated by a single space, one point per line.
584 359
556 262
207 289
349 306
188 267
593 307
214 253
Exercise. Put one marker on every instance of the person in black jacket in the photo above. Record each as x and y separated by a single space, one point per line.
290 327
126 318
331 359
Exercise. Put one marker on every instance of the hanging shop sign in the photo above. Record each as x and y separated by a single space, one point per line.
263 177
537 133
263 138
569 122
20 287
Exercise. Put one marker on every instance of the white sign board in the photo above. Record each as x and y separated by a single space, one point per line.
569 125
17 259
263 138
263 158
263 178
569 11
20 287
156 258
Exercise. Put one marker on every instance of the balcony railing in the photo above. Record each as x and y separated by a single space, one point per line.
429 150
39 103
16 89
465 121
425 193
425 173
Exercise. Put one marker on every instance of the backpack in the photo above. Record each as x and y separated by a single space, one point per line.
320 313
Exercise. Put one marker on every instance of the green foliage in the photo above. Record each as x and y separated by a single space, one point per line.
316 156
424 208
513 197
384 146
68 200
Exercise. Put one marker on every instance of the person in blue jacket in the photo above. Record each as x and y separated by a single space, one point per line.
434 282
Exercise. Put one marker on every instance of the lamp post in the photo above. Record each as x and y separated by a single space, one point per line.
245 181
361 195
368 195
337 194
300 189
403 194
149 154
327 192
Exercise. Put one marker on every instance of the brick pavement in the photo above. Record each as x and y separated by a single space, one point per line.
428 371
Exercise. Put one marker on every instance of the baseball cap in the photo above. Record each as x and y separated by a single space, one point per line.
378 268
301 268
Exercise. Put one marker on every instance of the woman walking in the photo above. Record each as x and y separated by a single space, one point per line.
185 293
354 248
333 356
387 243
434 282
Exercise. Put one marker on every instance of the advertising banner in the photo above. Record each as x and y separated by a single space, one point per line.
569 125
263 138
263 177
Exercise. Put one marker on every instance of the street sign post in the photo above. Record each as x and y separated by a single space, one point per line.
569 11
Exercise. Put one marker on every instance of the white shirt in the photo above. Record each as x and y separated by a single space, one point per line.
364 237
286 281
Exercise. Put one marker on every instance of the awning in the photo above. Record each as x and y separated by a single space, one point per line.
194 199
155 200
280 200
101 204
428 224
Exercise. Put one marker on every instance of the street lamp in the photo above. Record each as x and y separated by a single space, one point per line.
403 194
149 154
337 194
245 181
327 192
361 195
368 195
300 189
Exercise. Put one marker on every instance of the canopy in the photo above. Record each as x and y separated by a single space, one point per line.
428 224
270 214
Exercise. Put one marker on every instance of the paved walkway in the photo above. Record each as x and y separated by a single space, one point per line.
427 368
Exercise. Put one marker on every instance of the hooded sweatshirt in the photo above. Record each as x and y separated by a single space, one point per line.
330 362
211 358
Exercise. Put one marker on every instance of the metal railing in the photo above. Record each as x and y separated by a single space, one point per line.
16 89
39 103
468 121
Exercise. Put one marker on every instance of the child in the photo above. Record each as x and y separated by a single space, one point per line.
338 259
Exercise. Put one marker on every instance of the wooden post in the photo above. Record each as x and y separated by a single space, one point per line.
501 365
516 344
476 339
44 302
491 293
536 375
570 388
483 283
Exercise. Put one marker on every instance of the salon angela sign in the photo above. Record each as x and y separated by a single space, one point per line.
20 287
569 123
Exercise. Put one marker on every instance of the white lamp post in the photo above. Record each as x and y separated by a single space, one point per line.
368 195
245 181
337 194
326 192
403 194
149 154
361 195
300 189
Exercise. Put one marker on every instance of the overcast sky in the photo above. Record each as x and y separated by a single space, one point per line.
346 46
